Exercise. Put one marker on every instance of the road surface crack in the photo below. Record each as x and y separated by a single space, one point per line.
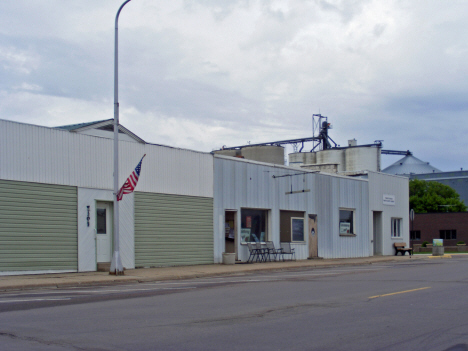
48 343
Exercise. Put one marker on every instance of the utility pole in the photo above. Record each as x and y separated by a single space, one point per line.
116 264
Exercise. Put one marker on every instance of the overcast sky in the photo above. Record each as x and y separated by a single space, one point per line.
207 73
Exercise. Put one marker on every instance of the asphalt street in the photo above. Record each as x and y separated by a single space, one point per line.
411 305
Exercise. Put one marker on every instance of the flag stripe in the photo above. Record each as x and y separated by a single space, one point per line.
131 182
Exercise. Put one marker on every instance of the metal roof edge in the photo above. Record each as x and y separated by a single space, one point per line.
389 175
106 122
289 168
180 148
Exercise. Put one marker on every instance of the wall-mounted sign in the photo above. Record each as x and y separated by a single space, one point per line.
437 242
248 221
345 228
389 200
245 235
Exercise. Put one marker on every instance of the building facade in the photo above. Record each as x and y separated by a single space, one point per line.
56 193
450 226
319 214
389 211
56 204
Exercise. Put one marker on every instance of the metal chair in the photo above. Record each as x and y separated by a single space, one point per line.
254 253
262 252
286 250
271 250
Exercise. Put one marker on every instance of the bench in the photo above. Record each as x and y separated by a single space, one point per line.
400 247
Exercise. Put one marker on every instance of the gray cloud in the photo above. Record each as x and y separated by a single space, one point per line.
202 74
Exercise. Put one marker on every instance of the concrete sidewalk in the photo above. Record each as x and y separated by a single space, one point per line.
61 280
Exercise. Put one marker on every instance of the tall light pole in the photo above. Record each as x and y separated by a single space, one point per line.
116 264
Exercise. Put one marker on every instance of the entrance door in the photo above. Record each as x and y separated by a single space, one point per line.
230 232
377 232
313 236
103 232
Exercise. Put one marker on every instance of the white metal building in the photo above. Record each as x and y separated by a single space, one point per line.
320 214
56 197
389 206
56 192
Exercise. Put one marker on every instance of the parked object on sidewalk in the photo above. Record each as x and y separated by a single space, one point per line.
254 253
229 258
262 252
287 250
272 251
400 247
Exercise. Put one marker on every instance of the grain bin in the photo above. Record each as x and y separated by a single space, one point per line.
363 158
296 159
265 153
332 156
228 152
310 158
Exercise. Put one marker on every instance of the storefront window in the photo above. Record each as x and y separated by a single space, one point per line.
346 222
253 225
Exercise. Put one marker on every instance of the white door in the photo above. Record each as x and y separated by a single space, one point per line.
104 231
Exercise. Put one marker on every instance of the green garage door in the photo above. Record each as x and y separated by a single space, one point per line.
38 228
172 230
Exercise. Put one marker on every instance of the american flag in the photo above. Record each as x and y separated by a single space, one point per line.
131 181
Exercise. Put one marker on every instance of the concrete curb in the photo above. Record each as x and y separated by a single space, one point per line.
145 275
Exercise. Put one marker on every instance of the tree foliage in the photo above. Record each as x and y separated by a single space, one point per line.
434 197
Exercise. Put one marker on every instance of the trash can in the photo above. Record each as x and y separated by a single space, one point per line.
437 251
229 258
437 247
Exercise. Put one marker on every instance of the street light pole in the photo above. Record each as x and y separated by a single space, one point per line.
116 264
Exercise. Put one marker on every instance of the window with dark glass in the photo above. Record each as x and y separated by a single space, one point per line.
297 229
253 225
449 234
415 235
346 222
101 221
291 226
396 227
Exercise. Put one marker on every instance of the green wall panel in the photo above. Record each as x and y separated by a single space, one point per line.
172 230
38 228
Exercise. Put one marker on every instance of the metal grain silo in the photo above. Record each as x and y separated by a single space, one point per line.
265 153
362 159
228 152
334 156
296 159
302 158
310 158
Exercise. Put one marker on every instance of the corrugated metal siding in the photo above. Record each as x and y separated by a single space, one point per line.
173 230
46 155
243 184
335 193
380 184
38 228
